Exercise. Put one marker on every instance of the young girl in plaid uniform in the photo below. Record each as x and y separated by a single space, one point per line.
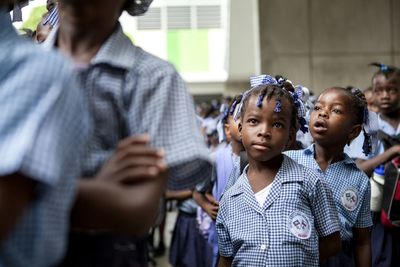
277 211
338 117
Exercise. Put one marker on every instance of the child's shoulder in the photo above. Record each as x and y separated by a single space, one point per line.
294 168
151 65
301 156
353 173
309 179
236 188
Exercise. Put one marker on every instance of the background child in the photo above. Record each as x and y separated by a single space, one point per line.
225 157
336 120
188 246
370 98
274 214
386 87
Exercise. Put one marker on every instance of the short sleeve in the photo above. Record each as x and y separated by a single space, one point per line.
225 245
235 173
364 218
163 108
44 125
324 210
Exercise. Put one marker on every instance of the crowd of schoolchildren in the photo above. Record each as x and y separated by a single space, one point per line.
274 176
300 194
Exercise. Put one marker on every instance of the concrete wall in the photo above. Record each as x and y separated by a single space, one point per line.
321 43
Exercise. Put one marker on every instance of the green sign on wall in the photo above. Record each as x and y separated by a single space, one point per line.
188 49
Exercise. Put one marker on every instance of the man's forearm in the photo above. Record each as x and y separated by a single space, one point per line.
16 193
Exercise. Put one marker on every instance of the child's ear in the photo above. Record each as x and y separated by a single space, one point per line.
355 131
227 131
240 129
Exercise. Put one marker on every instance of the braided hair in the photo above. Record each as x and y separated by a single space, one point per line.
276 91
389 72
232 107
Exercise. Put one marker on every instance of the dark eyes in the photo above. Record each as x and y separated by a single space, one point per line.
335 110
391 90
252 121
277 125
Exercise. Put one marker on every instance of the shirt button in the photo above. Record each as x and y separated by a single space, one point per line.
263 247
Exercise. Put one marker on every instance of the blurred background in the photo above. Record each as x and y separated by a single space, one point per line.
217 44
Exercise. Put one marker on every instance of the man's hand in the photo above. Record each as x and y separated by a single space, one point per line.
133 161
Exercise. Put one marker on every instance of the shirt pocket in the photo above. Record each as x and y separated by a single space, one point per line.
297 220
299 234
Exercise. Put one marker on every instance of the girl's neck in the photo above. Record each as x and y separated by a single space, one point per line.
392 118
78 38
325 155
262 174
237 147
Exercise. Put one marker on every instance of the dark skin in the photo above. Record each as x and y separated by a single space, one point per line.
134 177
332 126
387 97
16 193
265 134
126 185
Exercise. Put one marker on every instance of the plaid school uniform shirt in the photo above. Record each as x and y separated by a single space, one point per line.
350 186
131 92
284 232
43 125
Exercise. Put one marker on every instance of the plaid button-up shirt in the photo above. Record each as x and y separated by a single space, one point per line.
130 92
350 186
284 232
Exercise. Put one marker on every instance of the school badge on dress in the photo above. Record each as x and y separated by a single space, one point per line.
350 199
299 225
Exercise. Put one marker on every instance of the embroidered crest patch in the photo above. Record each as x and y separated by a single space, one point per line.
299 225
350 199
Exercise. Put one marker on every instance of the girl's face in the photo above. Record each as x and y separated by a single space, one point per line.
387 94
371 102
331 121
265 133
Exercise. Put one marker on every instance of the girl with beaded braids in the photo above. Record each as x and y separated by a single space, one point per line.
338 117
278 213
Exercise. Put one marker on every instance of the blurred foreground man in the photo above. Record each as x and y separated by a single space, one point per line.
43 125
129 93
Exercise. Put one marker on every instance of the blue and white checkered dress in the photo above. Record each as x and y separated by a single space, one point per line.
284 232
132 92
350 186
43 123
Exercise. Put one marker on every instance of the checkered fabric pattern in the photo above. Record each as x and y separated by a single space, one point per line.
235 173
132 92
262 236
343 178
43 123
